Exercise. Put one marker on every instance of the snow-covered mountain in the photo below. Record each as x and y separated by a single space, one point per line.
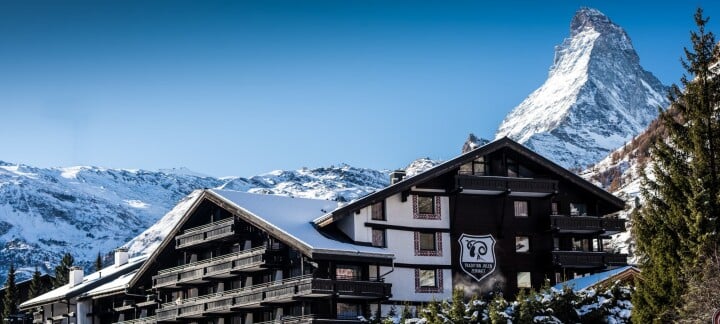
596 96
45 212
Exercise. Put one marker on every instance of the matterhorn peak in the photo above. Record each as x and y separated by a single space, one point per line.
596 97
589 18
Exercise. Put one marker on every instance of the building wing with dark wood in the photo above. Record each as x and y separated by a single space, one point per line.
498 218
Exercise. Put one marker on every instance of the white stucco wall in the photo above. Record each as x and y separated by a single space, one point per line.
403 285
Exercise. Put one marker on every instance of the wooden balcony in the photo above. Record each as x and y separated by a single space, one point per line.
223 266
490 185
143 320
277 292
582 259
201 235
616 259
586 224
576 224
309 319
613 225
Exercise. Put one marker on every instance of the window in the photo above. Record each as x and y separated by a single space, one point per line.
428 244
558 277
578 209
426 204
427 241
378 211
523 280
522 244
512 169
477 167
348 311
428 278
347 272
378 237
426 207
581 245
554 208
428 281
556 243
373 272
521 208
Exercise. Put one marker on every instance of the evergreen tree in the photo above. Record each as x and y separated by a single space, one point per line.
62 271
456 313
10 300
677 224
98 262
36 285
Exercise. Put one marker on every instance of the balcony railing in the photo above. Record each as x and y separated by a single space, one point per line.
271 292
576 224
205 233
143 320
309 319
586 224
582 259
613 225
516 186
217 267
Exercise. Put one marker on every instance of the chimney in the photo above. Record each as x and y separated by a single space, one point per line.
121 256
397 176
75 276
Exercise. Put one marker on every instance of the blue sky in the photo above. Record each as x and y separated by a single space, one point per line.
245 87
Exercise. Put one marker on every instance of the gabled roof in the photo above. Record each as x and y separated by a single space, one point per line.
287 218
599 278
454 164
89 282
118 285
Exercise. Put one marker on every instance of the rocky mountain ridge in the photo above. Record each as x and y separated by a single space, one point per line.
595 99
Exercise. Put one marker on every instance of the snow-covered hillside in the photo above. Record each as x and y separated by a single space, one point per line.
621 173
45 212
596 96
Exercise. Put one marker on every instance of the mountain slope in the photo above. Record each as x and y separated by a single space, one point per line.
45 212
596 97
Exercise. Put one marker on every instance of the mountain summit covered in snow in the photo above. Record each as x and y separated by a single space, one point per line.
596 97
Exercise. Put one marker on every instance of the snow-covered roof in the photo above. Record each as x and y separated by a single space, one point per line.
586 282
89 282
294 218
119 284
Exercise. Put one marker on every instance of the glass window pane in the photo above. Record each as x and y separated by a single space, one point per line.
578 209
347 272
522 244
427 241
521 208
466 168
427 278
554 208
378 212
426 205
523 280
378 237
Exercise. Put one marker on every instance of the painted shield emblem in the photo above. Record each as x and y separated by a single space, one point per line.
477 255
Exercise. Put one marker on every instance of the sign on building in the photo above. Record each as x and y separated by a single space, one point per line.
477 255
